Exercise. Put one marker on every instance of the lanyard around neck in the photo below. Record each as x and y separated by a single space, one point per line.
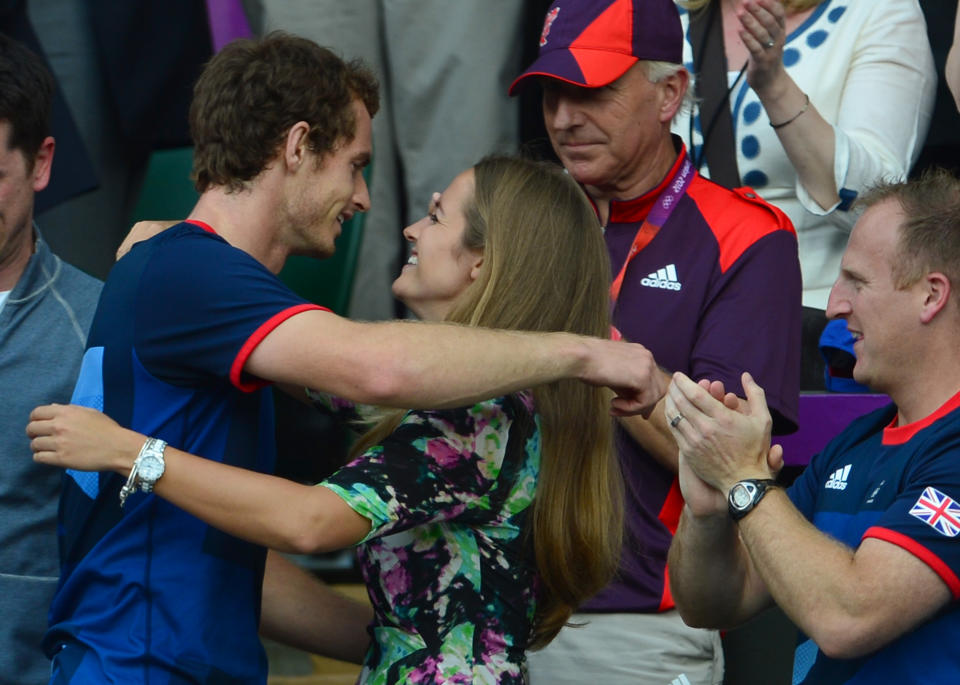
665 203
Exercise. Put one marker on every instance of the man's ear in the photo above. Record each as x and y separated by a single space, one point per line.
936 294
297 145
42 163
673 89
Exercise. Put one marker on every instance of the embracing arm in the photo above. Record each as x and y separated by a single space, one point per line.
850 602
269 511
300 610
425 365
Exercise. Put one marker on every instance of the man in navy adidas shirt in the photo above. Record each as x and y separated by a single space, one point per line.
862 551
193 323
707 278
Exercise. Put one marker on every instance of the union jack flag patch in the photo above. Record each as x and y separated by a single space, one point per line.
938 511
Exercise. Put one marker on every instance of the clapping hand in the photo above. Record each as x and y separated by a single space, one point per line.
721 438
763 32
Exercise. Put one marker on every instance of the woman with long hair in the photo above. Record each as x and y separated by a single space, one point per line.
481 528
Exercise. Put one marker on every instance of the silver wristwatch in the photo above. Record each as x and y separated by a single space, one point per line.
146 470
745 495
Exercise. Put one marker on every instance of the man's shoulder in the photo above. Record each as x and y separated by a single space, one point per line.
184 235
186 253
80 290
51 273
80 282
740 218
737 209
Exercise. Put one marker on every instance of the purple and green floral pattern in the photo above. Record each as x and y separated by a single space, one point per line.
448 565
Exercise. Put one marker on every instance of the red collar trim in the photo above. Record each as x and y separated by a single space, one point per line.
202 224
628 211
898 435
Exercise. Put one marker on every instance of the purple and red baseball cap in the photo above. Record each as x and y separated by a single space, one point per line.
593 42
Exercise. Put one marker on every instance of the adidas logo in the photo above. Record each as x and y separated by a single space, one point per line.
682 679
665 278
838 479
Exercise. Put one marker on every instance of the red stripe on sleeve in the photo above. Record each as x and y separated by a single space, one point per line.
920 552
236 369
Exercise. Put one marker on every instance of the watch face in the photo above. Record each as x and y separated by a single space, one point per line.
740 496
151 468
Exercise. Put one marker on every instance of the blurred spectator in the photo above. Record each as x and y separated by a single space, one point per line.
46 307
126 71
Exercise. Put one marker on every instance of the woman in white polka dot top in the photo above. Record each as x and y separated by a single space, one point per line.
827 97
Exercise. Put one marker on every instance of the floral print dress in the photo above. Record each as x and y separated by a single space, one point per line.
448 564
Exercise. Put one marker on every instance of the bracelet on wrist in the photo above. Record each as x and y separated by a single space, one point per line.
806 106
146 470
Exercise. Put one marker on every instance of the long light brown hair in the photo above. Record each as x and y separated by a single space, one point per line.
791 6
545 268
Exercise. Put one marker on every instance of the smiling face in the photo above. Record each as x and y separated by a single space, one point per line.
325 195
440 267
607 138
881 317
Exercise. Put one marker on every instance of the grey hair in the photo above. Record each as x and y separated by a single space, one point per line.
658 71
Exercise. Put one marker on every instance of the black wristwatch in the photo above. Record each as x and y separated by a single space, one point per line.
745 495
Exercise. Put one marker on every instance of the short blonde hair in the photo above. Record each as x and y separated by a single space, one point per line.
929 237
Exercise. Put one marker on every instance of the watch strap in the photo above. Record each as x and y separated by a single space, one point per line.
756 488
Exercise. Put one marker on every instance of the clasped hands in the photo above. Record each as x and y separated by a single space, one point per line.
722 439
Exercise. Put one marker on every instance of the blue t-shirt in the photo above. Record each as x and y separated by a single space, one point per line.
150 593
902 485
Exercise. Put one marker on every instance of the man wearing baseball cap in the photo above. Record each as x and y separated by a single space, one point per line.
706 278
